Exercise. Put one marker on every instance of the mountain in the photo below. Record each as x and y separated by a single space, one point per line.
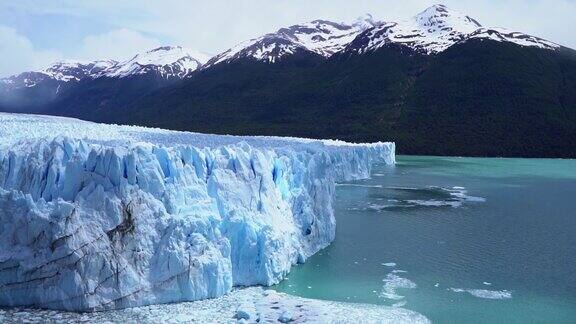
319 37
166 62
436 29
33 90
61 71
438 83
36 91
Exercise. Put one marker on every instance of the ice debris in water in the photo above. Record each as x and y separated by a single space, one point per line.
392 283
399 271
260 306
98 216
432 196
483 293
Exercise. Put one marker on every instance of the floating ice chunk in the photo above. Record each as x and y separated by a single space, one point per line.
487 294
434 203
359 185
399 271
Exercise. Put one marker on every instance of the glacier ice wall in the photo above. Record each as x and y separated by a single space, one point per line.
91 226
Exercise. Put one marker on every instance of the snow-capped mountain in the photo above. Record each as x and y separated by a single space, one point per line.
68 71
429 32
36 90
167 61
320 37
504 35
436 29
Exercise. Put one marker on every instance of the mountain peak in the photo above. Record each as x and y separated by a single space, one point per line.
170 54
168 61
434 30
320 37
61 71
365 21
437 10
431 31
164 49
70 70
441 16
439 7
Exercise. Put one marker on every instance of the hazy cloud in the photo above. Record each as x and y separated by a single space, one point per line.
119 44
18 54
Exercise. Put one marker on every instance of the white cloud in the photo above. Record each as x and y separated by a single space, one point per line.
119 44
18 54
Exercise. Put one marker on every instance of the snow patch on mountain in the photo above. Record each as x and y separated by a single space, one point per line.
504 35
75 71
167 61
97 216
64 71
320 37
436 29
432 31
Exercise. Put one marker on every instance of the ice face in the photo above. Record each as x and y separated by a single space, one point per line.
88 225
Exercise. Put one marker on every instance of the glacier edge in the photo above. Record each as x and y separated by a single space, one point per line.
86 225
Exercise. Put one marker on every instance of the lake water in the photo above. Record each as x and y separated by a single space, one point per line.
460 240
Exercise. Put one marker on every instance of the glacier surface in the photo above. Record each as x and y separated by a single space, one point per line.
96 216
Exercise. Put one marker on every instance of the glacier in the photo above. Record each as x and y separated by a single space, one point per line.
98 217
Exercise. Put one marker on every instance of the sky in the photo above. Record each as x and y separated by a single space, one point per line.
36 33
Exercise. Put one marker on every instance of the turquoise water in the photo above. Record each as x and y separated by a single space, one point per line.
460 240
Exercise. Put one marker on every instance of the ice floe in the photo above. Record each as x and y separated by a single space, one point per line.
392 283
483 293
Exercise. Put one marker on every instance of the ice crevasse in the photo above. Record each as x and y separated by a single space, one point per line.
97 216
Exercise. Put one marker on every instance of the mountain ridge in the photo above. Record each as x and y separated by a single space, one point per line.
431 31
